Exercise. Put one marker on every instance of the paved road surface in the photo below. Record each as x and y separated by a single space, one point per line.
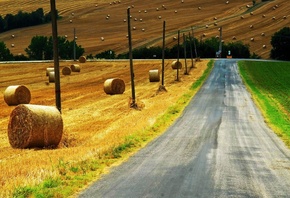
219 147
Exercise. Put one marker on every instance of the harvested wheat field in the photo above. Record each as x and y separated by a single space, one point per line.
93 121
100 24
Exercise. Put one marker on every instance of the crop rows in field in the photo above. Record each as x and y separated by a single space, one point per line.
272 78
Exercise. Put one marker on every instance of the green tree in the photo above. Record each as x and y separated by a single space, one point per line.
238 50
280 42
37 50
41 48
5 54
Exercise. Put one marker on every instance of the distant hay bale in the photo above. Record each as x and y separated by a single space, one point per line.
273 18
51 77
262 34
176 65
251 13
75 68
175 11
242 17
82 59
284 17
12 45
114 86
66 71
33 126
264 16
264 46
154 75
17 94
199 8
49 69
234 38
252 39
13 36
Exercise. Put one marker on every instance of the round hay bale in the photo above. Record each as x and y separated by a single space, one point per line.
176 65
35 126
66 70
49 69
82 59
154 75
75 68
51 77
17 94
114 86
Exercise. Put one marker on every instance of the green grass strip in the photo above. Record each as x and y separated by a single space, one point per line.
269 84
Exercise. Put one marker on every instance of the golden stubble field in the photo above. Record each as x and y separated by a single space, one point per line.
89 19
93 120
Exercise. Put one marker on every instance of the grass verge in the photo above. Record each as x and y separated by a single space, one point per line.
269 83
74 176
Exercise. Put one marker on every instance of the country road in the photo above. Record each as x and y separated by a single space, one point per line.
219 147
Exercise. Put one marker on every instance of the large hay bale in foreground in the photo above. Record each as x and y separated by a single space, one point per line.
75 68
17 94
176 65
114 86
51 76
154 75
82 59
35 126
66 70
49 69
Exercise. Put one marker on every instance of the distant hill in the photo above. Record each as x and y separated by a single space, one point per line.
100 24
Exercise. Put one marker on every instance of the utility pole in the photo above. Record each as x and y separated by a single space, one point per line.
221 39
163 53
133 104
74 44
55 55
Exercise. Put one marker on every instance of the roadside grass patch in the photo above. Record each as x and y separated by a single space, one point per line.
74 176
269 84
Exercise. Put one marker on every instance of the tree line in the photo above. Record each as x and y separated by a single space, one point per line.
24 19
280 42
41 48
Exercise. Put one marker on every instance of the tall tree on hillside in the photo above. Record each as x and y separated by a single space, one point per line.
281 44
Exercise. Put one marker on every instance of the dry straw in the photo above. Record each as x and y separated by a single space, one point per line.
51 77
17 94
154 75
176 65
82 59
114 86
66 70
75 68
33 126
